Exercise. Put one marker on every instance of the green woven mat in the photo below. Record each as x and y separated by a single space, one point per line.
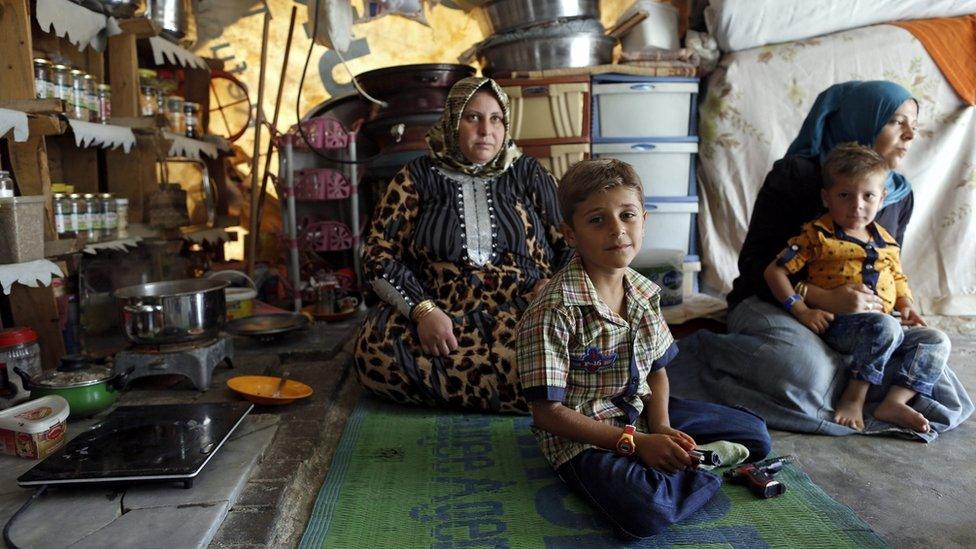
407 477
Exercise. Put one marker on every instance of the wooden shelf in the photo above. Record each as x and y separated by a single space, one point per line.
34 106
140 27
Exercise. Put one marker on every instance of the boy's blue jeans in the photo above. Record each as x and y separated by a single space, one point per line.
872 338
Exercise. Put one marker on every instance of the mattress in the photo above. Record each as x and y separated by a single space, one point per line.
742 24
754 106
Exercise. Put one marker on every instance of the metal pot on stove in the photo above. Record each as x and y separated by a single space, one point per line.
173 312
89 388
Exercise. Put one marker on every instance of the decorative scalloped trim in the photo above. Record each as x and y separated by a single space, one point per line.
34 274
106 136
15 120
166 52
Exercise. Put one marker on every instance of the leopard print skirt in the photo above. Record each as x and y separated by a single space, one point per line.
479 376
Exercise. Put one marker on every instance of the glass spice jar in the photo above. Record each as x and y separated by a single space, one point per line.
147 101
91 98
42 78
191 112
122 217
61 82
110 217
174 114
104 103
79 214
94 216
78 99
62 215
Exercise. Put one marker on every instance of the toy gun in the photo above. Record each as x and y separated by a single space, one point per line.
759 476
706 457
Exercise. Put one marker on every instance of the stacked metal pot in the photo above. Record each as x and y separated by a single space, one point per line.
543 34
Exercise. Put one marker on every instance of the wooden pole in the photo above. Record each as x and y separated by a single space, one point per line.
274 121
258 122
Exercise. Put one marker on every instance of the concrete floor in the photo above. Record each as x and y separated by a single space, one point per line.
912 494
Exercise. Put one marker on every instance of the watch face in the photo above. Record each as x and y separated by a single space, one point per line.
625 448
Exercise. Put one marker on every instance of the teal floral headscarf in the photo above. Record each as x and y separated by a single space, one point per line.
442 138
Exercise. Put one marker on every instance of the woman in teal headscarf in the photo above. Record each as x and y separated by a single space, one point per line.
768 361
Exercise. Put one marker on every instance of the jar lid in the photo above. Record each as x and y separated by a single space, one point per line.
17 336
147 73
105 195
121 200
105 87
74 371
41 61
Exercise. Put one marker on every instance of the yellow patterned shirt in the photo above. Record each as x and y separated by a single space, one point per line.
833 259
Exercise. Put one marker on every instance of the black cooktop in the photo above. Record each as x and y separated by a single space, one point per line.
170 442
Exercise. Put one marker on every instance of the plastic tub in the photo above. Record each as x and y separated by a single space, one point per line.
240 300
34 429
658 32
666 269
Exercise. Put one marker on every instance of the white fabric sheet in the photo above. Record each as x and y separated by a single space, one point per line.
743 24
756 102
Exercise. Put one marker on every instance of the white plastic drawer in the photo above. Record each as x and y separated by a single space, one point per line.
669 226
666 169
644 109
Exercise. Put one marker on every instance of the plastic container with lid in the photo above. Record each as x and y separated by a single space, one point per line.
34 429
666 269
19 348
21 229
6 184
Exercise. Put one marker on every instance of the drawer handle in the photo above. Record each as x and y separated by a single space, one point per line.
643 87
643 147
530 91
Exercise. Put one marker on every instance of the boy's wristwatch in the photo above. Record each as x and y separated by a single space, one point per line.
625 444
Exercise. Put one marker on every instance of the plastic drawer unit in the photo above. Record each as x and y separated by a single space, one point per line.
666 168
671 224
627 108
547 111
558 158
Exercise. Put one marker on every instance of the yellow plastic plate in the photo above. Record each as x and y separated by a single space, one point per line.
260 389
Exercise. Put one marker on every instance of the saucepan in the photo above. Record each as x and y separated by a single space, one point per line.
177 311
506 15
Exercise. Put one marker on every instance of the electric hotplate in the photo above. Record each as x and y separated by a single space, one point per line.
169 442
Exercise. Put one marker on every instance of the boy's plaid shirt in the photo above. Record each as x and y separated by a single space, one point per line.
572 349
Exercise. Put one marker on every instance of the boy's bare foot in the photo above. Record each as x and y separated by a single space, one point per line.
901 414
849 411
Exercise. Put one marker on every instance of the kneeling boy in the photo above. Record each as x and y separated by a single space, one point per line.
591 352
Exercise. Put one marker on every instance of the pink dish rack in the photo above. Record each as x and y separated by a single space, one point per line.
321 184
336 182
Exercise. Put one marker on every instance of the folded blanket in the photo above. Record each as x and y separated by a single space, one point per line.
951 42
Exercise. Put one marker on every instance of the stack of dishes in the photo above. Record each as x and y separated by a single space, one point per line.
544 34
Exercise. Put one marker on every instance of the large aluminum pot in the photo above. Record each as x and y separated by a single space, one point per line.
506 15
578 43
174 17
178 311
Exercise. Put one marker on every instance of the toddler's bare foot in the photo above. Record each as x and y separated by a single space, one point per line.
849 411
849 415
903 415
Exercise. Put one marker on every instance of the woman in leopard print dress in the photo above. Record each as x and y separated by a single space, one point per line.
459 244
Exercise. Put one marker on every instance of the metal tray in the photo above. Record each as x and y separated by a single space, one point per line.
267 326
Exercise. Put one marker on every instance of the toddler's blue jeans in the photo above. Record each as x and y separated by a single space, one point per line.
872 338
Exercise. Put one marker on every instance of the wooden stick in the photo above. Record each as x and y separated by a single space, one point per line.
274 120
629 23
258 122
